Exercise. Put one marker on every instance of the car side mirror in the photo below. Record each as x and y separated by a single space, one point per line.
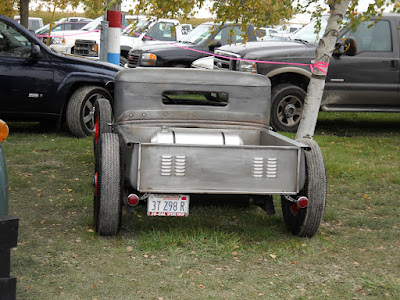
36 52
203 63
214 44
350 47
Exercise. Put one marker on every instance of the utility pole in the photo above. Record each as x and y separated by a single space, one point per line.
104 39
114 17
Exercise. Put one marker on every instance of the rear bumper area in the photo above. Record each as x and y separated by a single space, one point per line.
172 168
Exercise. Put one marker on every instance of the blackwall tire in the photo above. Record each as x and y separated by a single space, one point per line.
102 120
80 112
108 190
287 107
307 220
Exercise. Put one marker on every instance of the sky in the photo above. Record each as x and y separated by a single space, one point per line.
203 13
305 19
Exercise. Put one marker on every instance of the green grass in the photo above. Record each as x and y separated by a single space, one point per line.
224 250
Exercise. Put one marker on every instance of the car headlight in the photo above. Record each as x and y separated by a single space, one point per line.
247 66
148 59
58 40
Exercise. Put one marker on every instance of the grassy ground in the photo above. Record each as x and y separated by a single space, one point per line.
223 250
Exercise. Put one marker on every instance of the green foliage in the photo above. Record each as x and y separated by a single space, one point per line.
172 9
94 8
8 8
257 12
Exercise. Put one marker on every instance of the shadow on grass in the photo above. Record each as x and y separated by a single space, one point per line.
225 220
37 128
358 124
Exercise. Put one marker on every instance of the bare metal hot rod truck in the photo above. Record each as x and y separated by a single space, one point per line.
171 133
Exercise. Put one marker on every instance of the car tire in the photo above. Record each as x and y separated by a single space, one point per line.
102 120
80 113
304 222
287 107
107 210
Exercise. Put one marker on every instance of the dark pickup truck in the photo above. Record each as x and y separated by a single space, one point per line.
40 85
200 42
366 81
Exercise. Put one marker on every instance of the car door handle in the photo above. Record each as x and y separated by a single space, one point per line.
395 65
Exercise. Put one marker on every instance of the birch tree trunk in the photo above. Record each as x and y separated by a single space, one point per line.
317 83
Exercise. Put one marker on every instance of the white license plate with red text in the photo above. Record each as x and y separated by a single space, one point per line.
168 205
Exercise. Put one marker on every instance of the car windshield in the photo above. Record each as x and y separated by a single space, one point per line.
308 34
94 25
43 29
199 34
136 28
163 31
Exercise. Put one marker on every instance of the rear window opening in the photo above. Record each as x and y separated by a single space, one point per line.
195 98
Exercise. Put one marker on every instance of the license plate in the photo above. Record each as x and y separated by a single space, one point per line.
168 205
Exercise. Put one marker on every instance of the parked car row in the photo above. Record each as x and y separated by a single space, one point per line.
34 23
58 28
346 88
352 83
198 43
146 31
65 42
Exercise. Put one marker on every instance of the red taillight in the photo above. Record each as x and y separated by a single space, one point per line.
302 202
298 204
133 200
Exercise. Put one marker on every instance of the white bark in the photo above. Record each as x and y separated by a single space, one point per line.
317 83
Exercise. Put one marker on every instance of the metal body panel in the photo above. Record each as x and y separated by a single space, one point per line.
207 149
138 96
263 162
195 137
218 169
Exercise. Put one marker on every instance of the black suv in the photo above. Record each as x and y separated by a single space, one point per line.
200 42
38 84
